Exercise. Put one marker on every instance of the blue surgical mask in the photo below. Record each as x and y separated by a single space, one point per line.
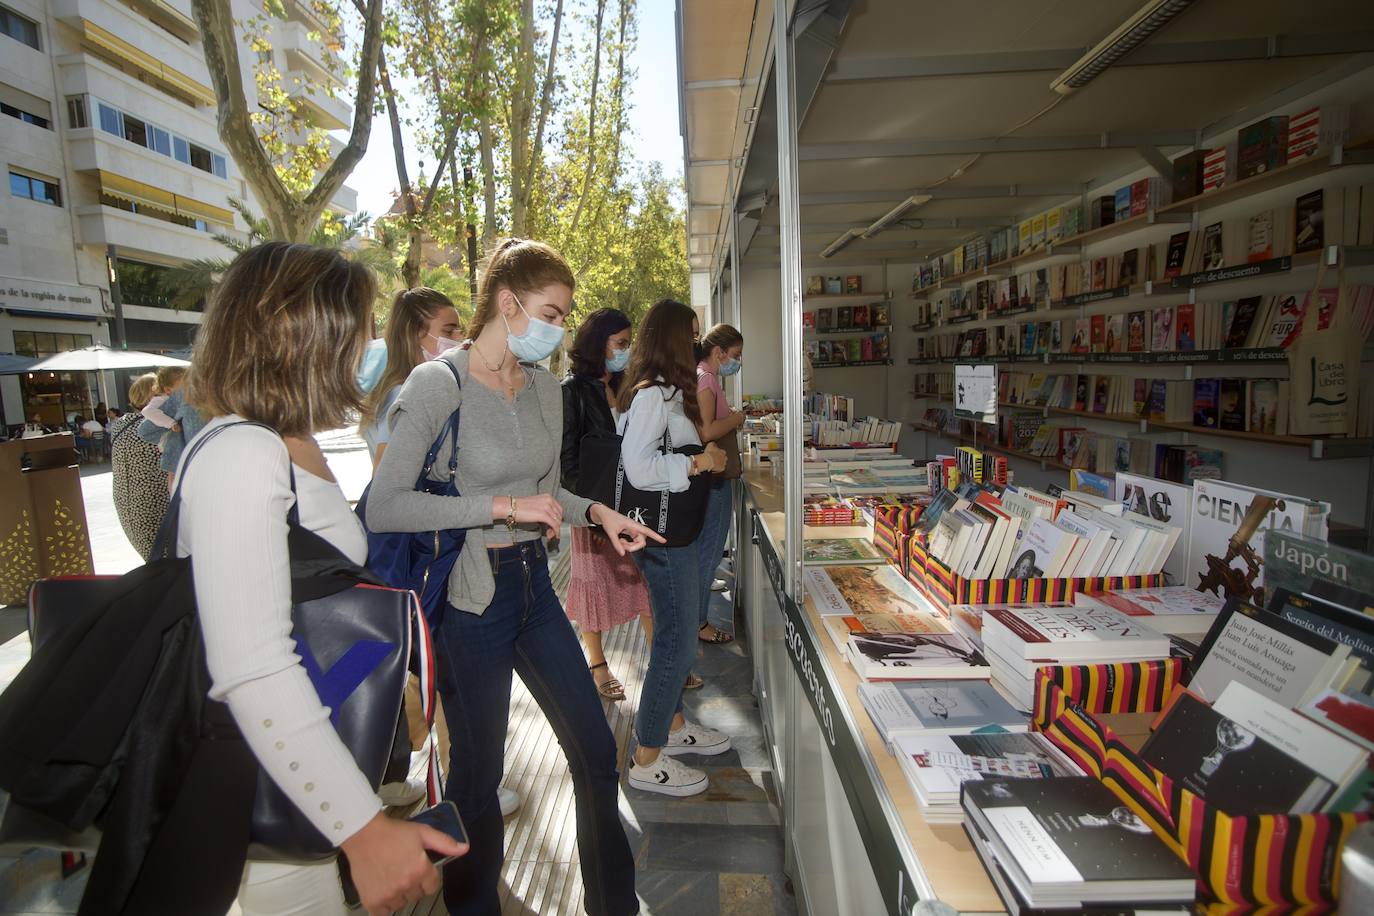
729 367
618 361
539 340
373 365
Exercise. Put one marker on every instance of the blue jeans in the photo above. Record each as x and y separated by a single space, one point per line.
673 575
525 630
715 529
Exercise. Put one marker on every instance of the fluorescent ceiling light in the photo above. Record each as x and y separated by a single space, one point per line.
1149 19
891 216
839 243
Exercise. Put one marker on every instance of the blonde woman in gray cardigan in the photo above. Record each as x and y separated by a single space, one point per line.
502 616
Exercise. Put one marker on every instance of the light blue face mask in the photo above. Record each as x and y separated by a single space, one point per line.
539 340
618 360
729 367
374 364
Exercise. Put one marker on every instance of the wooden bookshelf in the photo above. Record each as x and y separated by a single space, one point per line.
831 297
854 364
877 329
1181 211
988 446
1141 357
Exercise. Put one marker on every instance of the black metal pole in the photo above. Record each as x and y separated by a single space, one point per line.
116 297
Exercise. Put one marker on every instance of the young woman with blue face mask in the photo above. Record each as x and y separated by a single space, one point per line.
719 355
502 616
605 589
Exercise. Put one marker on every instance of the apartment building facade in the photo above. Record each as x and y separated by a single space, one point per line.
115 170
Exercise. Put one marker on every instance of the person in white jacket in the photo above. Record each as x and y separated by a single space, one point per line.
653 410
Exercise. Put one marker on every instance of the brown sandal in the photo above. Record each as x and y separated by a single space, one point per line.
694 682
720 639
612 689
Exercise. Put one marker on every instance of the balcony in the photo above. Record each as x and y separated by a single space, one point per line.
172 15
93 151
84 74
326 112
99 225
306 56
114 32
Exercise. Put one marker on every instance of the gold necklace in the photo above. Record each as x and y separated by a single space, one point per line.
501 362
510 387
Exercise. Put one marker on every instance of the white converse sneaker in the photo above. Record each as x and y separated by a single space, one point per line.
696 739
509 799
667 777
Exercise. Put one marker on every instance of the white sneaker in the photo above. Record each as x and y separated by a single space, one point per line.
667 777
399 794
696 739
719 585
510 801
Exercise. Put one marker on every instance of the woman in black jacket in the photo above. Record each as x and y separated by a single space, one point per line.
606 589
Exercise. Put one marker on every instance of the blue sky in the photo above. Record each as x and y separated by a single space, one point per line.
653 115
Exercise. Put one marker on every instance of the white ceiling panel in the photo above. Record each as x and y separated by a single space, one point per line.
1180 96
890 28
933 108
870 174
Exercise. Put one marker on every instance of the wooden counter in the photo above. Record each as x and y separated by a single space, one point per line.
942 853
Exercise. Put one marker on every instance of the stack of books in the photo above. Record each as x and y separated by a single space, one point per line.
1017 640
1068 842
1175 610
938 765
934 707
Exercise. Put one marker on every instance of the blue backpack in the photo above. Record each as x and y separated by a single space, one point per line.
421 560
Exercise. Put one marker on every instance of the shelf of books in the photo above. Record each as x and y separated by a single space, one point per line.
1038 697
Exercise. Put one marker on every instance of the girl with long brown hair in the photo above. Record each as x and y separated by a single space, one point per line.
502 615
423 324
658 400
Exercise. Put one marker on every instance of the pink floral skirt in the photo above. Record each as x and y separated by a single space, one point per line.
605 589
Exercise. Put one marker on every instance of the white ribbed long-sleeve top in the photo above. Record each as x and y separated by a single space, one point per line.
234 501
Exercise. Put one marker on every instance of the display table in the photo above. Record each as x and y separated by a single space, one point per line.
856 841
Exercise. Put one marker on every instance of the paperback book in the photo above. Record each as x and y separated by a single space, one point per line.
898 656
1069 841
1228 765
937 766
938 707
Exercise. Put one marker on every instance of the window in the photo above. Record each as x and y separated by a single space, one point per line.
25 116
20 28
43 343
150 136
36 189
135 131
76 112
111 120
177 219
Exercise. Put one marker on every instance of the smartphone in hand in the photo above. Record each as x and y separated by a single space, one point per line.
444 818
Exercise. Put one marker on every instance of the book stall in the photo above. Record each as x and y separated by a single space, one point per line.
1055 526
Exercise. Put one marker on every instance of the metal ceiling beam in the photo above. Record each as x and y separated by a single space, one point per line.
865 149
914 224
943 192
1157 161
694 85
864 69
1346 68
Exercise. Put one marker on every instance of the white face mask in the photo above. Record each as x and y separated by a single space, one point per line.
442 345
539 340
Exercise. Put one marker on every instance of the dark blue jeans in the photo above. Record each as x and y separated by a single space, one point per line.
525 630
673 575
720 506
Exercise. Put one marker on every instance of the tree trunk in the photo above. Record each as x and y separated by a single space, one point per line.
488 183
291 218
527 153
591 121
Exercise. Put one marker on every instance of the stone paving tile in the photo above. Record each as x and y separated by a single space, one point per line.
755 895
710 847
679 893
